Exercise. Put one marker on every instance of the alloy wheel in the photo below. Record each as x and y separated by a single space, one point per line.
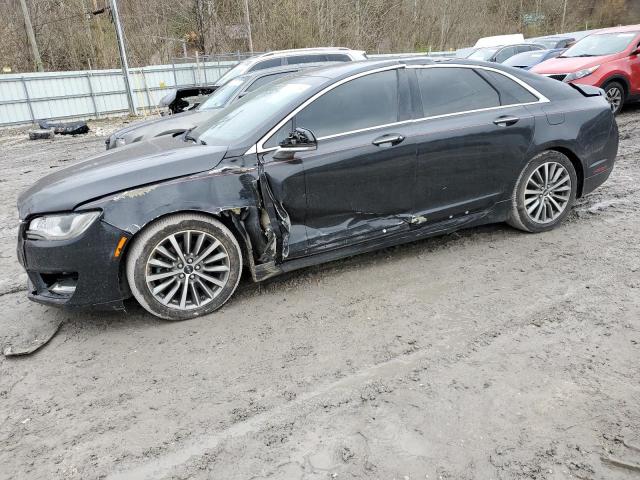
547 192
614 97
187 269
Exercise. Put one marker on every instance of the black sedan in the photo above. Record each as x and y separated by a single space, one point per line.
312 168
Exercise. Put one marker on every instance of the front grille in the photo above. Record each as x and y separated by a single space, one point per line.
558 76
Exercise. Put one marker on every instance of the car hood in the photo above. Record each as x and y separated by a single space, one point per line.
570 64
163 125
116 170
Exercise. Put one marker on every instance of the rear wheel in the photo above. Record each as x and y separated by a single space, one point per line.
544 193
184 266
614 92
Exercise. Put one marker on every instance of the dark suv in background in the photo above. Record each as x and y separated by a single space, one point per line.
181 122
500 54
175 101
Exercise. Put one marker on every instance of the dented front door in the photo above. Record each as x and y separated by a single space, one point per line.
358 187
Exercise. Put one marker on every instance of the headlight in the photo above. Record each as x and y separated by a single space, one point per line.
581 73
120 142
60 227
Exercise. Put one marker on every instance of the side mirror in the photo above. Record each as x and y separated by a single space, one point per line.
300 140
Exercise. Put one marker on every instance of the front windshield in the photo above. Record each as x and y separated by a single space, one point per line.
222 95
236 71
233 122
483 53
601 44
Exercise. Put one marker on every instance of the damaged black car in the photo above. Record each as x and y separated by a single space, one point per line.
312 168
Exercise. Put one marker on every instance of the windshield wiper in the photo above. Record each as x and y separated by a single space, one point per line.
190 138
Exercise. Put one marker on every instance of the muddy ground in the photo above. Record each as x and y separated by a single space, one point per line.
484 354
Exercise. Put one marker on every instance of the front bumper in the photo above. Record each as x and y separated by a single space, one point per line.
87 262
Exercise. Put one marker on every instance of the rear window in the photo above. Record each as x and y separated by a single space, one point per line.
264 80
505 53
273 62
338 57
306 59
454 90
510 91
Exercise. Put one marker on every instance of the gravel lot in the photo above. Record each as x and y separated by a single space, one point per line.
484 354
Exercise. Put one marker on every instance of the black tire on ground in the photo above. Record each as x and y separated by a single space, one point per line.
615 90
153 235
41 134
519 217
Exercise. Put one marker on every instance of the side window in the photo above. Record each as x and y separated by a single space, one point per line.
272 62
264 80
361 103
505 53
338 57
453 90
510 92
524 48
280 135
305 59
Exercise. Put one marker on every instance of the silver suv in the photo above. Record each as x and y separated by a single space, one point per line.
292 57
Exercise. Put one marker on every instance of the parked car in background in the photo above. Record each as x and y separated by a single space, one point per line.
464 52
499 40
609 59
500 54
527 60
311 168
553 41
175 100
176 124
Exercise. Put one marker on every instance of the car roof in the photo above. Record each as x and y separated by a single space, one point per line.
550 37
626 28
295 51
346 69
282 68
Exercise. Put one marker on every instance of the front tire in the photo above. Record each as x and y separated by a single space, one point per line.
184 266
544 193
615 95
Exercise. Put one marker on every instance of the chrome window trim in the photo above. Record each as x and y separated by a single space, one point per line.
258 147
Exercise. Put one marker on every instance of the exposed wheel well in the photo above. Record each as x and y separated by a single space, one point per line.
577 164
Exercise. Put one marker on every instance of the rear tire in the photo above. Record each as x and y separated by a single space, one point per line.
544 193
184 266
615 95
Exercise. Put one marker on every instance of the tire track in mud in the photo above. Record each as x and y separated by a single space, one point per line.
349 389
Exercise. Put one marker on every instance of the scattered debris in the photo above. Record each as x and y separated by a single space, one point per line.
69 128
621 463
41 134
33 339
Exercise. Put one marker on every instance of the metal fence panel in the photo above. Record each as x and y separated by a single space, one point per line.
25 98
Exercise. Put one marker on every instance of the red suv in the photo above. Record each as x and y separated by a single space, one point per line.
609 59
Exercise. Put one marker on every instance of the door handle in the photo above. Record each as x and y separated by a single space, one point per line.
505 120
388 140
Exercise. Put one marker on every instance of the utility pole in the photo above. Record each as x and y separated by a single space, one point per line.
564 14
247 22
32 36
123 55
